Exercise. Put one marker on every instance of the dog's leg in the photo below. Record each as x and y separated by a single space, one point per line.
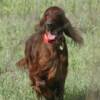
39 97
59 92
22 63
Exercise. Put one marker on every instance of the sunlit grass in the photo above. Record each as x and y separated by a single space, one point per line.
17 19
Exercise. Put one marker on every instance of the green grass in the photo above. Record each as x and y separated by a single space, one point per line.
17 19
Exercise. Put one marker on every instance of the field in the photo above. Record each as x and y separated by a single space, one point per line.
17 20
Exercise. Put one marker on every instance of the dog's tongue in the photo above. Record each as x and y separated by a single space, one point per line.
51 36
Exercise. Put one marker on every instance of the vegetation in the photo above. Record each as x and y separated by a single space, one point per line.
17 19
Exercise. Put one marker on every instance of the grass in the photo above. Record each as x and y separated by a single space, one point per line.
17 19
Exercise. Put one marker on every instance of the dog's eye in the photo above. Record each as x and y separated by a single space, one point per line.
49 25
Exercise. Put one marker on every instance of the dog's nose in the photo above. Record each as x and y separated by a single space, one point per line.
49 25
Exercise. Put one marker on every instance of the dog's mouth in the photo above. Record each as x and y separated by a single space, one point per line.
49 37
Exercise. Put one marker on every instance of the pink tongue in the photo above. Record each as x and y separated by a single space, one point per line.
51 36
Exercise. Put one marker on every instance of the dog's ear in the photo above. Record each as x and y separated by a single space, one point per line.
71 32
42 22
40 27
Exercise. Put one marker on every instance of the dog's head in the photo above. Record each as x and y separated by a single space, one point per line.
54 20
54 23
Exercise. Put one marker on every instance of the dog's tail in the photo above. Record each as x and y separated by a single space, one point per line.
72 32
22 63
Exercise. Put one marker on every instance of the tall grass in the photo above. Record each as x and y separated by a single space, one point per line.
17 19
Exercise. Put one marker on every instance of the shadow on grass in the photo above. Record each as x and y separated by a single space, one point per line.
80 96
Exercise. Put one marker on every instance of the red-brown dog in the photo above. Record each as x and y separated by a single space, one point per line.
46 54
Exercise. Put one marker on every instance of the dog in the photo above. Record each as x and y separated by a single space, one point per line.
46 54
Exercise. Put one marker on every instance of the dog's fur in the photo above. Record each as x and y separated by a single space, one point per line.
48 62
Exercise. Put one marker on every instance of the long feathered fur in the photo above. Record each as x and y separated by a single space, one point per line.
48 63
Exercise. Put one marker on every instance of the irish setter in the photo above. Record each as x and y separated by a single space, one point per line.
46 54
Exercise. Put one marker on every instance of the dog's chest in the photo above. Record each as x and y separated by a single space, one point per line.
53 61
51 53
